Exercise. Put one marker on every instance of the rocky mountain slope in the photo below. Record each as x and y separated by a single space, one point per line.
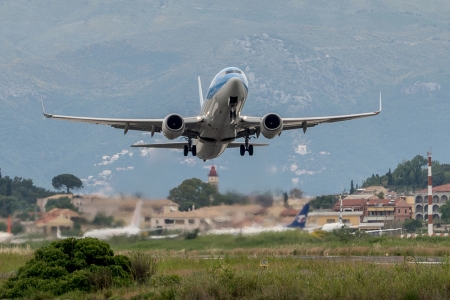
141 59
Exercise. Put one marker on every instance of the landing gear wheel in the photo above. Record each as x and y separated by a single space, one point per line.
194 150
242 149
185 150
250 150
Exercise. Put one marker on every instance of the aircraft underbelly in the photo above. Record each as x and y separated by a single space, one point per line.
209 150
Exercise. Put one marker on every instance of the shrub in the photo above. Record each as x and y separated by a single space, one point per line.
72 264
143 266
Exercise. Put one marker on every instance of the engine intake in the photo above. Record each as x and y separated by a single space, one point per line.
173 126
271 125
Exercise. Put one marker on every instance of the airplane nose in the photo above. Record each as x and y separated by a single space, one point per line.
235 86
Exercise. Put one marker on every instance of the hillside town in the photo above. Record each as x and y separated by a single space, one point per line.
364 209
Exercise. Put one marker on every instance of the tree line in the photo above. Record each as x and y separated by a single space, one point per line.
409 175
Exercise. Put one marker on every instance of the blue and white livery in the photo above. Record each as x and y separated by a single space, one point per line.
220 122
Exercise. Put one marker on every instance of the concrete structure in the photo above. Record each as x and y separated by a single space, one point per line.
320 218
213 178
440 195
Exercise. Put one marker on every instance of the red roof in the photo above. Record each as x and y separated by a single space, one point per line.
213 172
440 188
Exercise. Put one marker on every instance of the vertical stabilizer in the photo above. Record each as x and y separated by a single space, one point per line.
300 219
136 219
200 92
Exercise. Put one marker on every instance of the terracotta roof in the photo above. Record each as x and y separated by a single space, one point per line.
50 220
437 189
62 211
212 172
402 203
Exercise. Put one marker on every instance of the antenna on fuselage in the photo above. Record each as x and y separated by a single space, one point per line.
200 91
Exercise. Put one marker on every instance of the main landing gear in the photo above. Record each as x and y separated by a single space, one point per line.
246 146
193 149
189 147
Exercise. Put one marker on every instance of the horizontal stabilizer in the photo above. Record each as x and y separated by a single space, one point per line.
162 145
237 145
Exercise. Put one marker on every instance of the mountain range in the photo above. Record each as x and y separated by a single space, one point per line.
141 59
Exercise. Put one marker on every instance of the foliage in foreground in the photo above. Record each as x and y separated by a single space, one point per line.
71 264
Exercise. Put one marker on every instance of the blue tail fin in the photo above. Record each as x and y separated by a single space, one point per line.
300 219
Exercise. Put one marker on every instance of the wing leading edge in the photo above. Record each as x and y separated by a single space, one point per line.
150 125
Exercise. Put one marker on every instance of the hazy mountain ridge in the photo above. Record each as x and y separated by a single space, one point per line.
312 58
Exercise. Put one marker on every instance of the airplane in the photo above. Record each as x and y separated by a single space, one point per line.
298 223
300 219
220 122
107 233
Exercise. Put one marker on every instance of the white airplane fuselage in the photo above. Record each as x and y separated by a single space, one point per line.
227 92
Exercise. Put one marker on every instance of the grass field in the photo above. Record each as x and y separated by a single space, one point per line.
241 277
228 267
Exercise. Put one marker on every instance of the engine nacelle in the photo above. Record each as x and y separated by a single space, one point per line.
271 125
173 126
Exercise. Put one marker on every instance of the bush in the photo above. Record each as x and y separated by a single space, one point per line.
101 219
72 264
143 266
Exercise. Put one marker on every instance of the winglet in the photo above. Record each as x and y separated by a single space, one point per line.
380 103
43 109
200 91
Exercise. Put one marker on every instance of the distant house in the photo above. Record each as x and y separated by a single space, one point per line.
56 217
373 190
376 210
440 195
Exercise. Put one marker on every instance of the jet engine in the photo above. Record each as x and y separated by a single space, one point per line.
271 125
173 126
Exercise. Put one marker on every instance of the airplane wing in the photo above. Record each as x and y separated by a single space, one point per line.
151 125
253 123
162 145
237 145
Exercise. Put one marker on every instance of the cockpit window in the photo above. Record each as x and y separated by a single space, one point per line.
233 71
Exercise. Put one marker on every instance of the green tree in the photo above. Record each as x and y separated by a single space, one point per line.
192 191
66 181
295 193
390 180
445 210
323 202
62 202
352 189
9 188
412 225
229 198
101 219
8 205
265 199
380 195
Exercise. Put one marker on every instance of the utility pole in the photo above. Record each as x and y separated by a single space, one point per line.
430 197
